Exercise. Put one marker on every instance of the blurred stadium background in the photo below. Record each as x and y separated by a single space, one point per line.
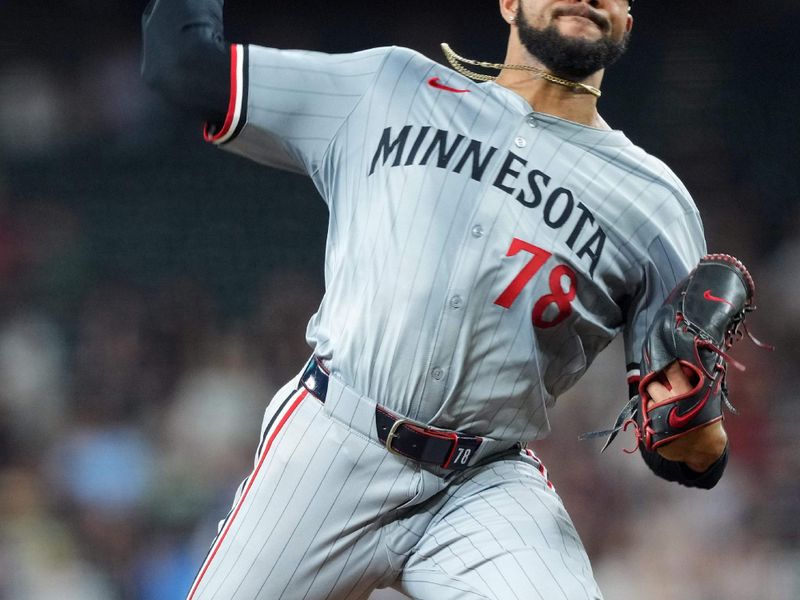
154 293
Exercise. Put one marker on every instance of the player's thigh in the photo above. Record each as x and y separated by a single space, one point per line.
305 522
501 533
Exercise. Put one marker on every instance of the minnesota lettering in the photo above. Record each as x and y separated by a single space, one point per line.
558 205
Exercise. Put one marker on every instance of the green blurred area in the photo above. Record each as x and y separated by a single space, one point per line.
176 212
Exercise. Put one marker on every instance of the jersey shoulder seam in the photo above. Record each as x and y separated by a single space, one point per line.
378 71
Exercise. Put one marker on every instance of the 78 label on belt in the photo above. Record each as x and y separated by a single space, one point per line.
462 456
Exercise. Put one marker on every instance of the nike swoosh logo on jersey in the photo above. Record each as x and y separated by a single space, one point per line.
435 83
708 296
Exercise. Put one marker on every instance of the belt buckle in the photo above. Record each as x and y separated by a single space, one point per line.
393 434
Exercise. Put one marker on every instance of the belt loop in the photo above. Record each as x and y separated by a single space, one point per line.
315 379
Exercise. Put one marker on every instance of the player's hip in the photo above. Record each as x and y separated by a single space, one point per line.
437 450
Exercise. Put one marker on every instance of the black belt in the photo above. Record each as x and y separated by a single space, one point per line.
447 449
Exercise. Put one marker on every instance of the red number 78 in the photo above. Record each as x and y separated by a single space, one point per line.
562 299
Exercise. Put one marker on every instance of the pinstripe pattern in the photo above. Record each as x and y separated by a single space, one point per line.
277 422
327 513
499 532
428 191
297 529
401 248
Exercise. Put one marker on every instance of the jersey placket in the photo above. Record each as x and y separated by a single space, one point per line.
461 289
453 313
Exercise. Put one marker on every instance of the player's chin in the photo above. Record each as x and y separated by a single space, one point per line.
580 28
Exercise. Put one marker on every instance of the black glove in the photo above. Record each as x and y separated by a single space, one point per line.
700 320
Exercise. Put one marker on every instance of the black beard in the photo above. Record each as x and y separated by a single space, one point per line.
569 57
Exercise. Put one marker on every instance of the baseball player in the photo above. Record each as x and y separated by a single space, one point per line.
486 241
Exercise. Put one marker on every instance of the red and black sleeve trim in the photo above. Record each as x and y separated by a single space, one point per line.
633 377
236 117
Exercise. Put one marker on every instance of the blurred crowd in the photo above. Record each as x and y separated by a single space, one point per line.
127 418
129 409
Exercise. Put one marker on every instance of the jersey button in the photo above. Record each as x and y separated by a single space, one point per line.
437 373
531 120
521 142
477 231
456 301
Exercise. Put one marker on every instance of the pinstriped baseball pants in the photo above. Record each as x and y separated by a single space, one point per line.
329 514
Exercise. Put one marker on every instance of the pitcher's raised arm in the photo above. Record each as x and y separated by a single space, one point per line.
185 56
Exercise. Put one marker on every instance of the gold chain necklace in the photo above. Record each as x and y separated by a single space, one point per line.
456 61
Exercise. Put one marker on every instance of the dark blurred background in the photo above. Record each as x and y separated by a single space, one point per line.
154 293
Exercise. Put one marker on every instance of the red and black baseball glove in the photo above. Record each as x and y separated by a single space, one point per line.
696 326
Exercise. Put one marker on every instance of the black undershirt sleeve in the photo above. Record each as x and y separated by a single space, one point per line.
185 56
679 472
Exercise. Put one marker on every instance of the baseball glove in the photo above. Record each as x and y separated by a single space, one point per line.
696 326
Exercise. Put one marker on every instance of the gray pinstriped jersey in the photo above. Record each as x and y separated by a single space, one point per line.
479 254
